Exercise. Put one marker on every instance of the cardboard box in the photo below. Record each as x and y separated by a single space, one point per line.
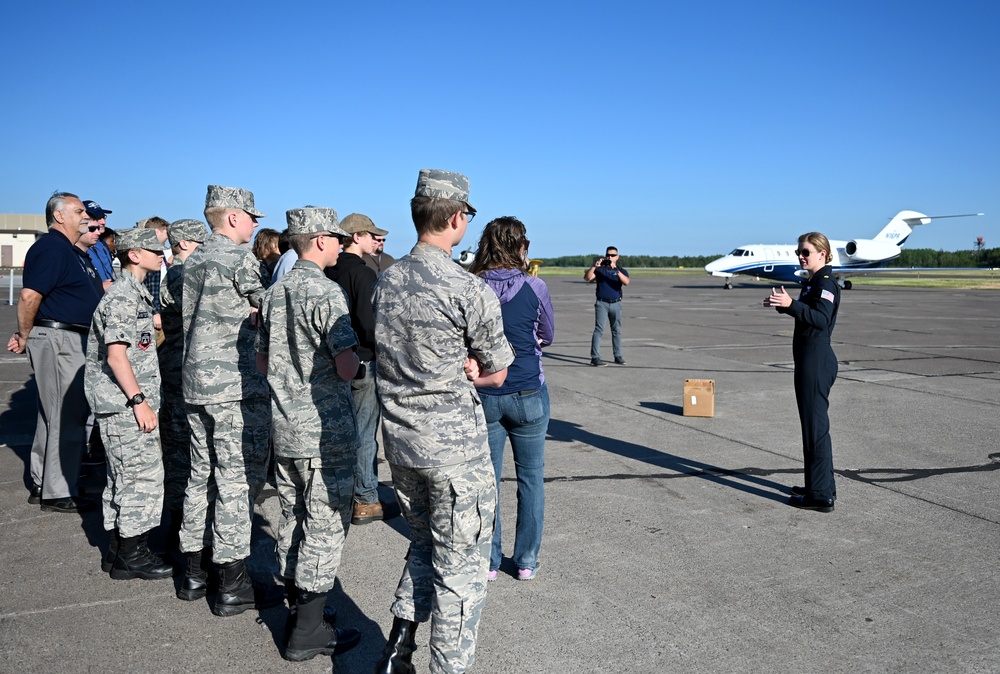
699 397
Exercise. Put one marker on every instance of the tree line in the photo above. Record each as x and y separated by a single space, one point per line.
632 260
928 257
911 257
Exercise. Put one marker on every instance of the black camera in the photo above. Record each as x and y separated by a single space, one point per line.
606 262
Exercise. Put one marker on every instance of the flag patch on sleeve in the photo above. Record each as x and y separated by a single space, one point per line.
827 295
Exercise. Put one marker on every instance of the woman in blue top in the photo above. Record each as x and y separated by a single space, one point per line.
519 409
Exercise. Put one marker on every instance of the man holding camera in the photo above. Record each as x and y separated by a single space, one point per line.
610 279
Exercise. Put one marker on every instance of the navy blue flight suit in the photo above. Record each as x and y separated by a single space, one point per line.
815 314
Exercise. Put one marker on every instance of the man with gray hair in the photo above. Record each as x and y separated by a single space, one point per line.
438 335
227 402
306 346
54 311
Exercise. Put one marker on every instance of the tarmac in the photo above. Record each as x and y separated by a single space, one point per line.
668 543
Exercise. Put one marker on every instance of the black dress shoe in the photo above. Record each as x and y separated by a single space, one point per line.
35 497
68 504
822 505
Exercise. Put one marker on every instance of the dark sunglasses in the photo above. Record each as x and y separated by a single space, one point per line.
93 228
379 239
802 252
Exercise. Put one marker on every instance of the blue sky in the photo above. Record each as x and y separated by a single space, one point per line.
663 128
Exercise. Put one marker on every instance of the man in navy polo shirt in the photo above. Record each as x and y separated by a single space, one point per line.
99 253
54 311
608 307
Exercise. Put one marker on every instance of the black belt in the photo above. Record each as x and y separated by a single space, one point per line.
601 299
46 323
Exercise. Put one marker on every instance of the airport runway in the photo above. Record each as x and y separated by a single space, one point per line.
668 545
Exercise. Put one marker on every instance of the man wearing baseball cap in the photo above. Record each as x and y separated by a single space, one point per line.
99 253
430 315
358 280
306 346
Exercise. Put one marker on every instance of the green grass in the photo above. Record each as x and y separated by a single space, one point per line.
967 279
972 279
633 271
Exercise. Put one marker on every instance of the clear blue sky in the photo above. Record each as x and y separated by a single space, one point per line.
661 127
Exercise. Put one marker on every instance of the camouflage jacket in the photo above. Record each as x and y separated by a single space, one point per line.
304 325
171 352
124 315
222 282
430 315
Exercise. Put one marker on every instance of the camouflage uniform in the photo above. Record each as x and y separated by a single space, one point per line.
304 325
226 397
133 497
429 315
175 433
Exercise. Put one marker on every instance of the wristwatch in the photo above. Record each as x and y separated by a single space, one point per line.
137 399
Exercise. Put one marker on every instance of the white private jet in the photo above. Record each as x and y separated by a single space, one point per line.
778 262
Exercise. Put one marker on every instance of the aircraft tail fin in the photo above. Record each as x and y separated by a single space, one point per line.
900 227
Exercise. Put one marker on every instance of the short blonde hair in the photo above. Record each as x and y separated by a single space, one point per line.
216 216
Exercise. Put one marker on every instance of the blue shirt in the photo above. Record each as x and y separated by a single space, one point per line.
100 255
609 286
54 268
528 324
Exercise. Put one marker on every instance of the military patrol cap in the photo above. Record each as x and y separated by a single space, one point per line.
187 230
355 223
443 185
137 238
313 220
231 197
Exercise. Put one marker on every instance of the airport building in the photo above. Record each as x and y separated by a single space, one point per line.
17 233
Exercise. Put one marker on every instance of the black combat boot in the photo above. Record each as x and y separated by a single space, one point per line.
312 635
109 559
195 583
135 560
398 654
292 596
237 593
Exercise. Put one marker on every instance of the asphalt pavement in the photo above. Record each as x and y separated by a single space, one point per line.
668 543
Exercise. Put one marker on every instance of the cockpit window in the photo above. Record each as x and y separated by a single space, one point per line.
739 252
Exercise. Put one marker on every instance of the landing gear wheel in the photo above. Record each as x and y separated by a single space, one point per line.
848 285
728 286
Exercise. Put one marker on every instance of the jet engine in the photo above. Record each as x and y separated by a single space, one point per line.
867 250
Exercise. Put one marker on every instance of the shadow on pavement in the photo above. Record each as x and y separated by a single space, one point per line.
746 480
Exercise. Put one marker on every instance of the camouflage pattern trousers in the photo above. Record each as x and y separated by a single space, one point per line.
133 497
175 438
316 505
450 510
230 444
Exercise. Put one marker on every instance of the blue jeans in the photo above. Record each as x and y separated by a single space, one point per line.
607 311
524 418
366 411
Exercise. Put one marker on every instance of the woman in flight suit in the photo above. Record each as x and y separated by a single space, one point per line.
815 313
